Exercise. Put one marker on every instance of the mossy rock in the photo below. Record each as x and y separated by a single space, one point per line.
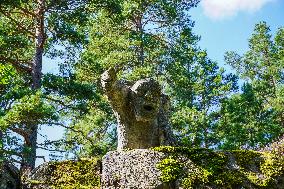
178 167
9 176
83 174
204 168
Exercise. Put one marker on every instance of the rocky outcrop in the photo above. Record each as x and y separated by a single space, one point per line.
83 173
167 168
132 169
179 167
41 177
9 176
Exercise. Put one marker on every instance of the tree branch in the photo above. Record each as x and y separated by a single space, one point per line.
17 64
26 11
16 22
41 157
72 129
21 132
50 150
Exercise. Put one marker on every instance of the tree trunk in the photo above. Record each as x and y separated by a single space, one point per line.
1 145
30 145
29 155
39 42
141 33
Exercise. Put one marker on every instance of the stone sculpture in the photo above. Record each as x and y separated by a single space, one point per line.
141 111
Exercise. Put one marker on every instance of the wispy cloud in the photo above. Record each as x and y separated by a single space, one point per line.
220 9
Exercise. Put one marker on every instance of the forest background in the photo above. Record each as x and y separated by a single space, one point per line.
73 42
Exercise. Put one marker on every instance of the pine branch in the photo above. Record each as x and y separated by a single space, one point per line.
16 22
17 64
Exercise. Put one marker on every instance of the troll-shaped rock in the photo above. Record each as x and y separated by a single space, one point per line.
141 111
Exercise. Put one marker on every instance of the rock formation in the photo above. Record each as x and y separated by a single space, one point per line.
68 174
141 111
166 168
9 176
179 167
132 169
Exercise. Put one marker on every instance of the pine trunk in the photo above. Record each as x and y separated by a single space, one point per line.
29 157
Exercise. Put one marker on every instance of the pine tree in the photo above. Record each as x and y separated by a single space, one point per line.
254 117
28 30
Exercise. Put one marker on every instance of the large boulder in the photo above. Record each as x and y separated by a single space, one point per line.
141 110
9 176
179 167
133 169
167 167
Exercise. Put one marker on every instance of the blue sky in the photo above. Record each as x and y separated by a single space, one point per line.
231 29
224 25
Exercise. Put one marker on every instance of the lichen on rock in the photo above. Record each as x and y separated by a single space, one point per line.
166 167
133 169
83 173
204 168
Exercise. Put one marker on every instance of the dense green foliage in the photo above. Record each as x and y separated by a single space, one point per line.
28 31
254 117
136 40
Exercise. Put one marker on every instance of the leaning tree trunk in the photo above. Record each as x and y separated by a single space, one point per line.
30 145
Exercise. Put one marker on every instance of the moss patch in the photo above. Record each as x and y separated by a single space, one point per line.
201 168
83 174
171 169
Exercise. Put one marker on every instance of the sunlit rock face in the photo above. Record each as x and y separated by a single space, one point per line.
133 169
165 167
169 167
141 111
146 99
9 176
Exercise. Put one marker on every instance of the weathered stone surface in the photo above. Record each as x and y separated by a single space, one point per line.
9 176
141 111
132 169
180 167
192 168
40 177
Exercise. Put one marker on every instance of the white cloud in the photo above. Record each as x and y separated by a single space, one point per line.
220 9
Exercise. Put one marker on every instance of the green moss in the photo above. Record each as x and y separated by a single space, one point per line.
171 169
35 182
206 168
247 158
79 174
192 167
229 178
83 174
